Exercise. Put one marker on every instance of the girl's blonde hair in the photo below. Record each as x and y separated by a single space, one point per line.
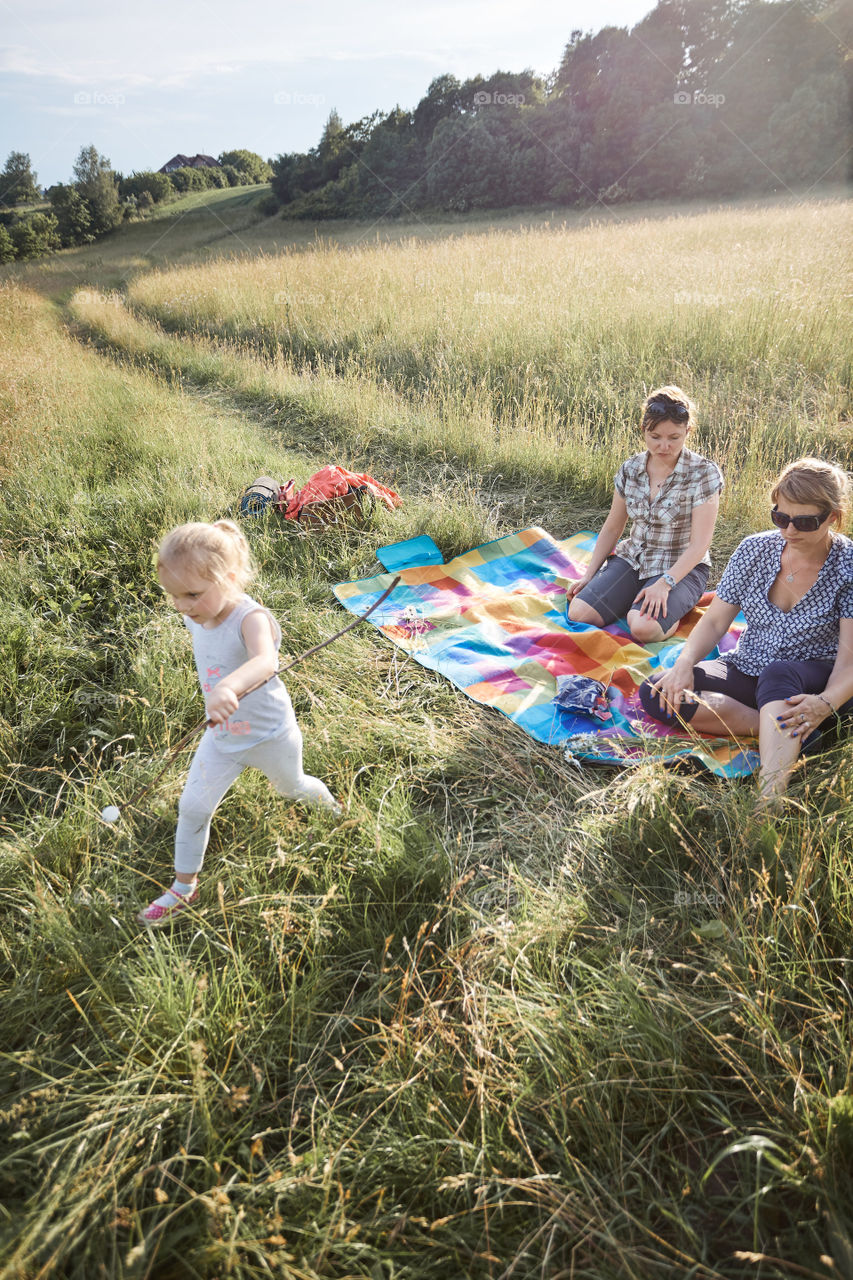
668 396
812 482
213 551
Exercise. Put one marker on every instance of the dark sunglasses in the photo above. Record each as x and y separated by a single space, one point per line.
805 524
675 412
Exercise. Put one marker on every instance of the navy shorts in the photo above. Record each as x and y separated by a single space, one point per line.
777 681
614 589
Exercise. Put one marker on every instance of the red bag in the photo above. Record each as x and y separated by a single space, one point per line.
333 493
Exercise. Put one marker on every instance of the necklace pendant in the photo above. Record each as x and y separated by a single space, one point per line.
789 577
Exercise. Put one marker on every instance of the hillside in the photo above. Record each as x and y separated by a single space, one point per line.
513 1017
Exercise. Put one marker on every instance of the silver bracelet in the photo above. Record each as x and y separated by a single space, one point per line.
827 702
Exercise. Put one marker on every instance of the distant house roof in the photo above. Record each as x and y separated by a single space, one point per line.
189 162
176 162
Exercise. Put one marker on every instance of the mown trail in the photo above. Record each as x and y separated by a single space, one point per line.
462 483
511 1020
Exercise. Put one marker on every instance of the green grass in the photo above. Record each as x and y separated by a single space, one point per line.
514 1019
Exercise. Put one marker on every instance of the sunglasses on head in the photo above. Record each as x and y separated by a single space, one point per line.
674 412
804 524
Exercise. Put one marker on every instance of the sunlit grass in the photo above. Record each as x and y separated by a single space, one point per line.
559 328
513 1018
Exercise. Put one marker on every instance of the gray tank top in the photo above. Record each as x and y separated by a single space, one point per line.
219 651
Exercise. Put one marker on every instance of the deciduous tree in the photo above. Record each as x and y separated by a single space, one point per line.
18 182
74 218
252 167
97 184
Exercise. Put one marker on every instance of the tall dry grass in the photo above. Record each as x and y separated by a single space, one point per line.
514 1019
559 329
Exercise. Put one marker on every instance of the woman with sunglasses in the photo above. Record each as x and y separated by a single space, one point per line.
792 669
671 495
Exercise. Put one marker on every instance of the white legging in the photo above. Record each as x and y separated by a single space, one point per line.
212 773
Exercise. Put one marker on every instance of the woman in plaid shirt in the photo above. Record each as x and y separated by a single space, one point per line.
656 574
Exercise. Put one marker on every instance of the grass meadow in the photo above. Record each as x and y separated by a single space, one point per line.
512 1019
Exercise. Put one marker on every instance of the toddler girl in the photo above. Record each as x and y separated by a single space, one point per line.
204 568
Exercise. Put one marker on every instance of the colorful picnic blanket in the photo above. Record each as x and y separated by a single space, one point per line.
493 622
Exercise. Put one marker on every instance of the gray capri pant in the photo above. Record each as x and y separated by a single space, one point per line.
213 771
614 589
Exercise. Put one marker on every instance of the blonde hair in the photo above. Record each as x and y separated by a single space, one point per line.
213 551
670 395
812 482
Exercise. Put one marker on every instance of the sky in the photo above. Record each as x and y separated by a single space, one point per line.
144 81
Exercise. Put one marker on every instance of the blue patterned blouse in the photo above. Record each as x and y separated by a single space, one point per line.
810 629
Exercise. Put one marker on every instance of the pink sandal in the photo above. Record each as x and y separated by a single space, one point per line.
154 916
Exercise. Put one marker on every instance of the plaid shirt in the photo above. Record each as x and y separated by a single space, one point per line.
660 531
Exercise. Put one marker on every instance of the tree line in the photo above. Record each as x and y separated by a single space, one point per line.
97 199
702 98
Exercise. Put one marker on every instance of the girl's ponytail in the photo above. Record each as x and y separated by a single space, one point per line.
215 551
229 527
